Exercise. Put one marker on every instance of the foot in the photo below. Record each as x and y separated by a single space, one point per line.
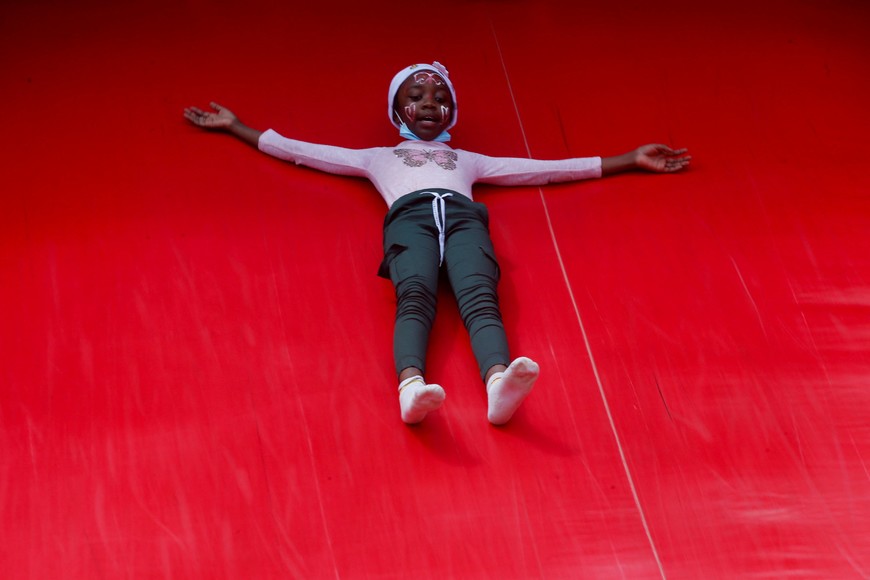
417 399
507 390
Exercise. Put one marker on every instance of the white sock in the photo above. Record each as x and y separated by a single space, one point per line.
416 399
507 390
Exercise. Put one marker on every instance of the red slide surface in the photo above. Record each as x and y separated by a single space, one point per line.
196 376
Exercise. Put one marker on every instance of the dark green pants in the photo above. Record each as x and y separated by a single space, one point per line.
423 231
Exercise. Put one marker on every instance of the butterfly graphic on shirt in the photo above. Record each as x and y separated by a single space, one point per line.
420 157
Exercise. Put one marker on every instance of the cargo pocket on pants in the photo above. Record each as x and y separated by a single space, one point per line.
386 268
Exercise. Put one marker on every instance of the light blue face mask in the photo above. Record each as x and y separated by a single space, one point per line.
405 132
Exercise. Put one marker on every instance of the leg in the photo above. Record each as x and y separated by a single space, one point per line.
415 279
412 264
474 275
415 313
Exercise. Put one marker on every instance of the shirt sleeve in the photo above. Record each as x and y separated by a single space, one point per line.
328 158
522 171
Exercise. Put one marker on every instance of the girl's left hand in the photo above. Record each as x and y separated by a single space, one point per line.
661 158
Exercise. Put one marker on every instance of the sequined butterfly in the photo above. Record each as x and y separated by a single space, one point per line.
420 157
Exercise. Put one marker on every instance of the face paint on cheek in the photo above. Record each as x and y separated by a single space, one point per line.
445 112
411 111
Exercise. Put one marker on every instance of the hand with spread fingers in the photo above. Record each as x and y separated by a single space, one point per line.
653 157
661 158
222 118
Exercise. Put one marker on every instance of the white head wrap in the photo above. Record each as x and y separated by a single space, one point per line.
403 74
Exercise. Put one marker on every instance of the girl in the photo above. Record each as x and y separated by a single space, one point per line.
433 222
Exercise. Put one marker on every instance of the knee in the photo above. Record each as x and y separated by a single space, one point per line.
479 303
416 298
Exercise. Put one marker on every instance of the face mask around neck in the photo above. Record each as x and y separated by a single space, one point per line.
406 133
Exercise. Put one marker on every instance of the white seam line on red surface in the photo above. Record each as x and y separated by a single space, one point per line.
579 318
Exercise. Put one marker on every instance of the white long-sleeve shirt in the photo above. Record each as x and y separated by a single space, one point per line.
415 165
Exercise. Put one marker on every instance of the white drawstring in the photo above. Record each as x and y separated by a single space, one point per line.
440 217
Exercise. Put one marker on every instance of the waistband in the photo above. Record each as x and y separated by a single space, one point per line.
416 197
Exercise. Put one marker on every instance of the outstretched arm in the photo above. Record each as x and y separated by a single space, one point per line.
223 120
653 157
